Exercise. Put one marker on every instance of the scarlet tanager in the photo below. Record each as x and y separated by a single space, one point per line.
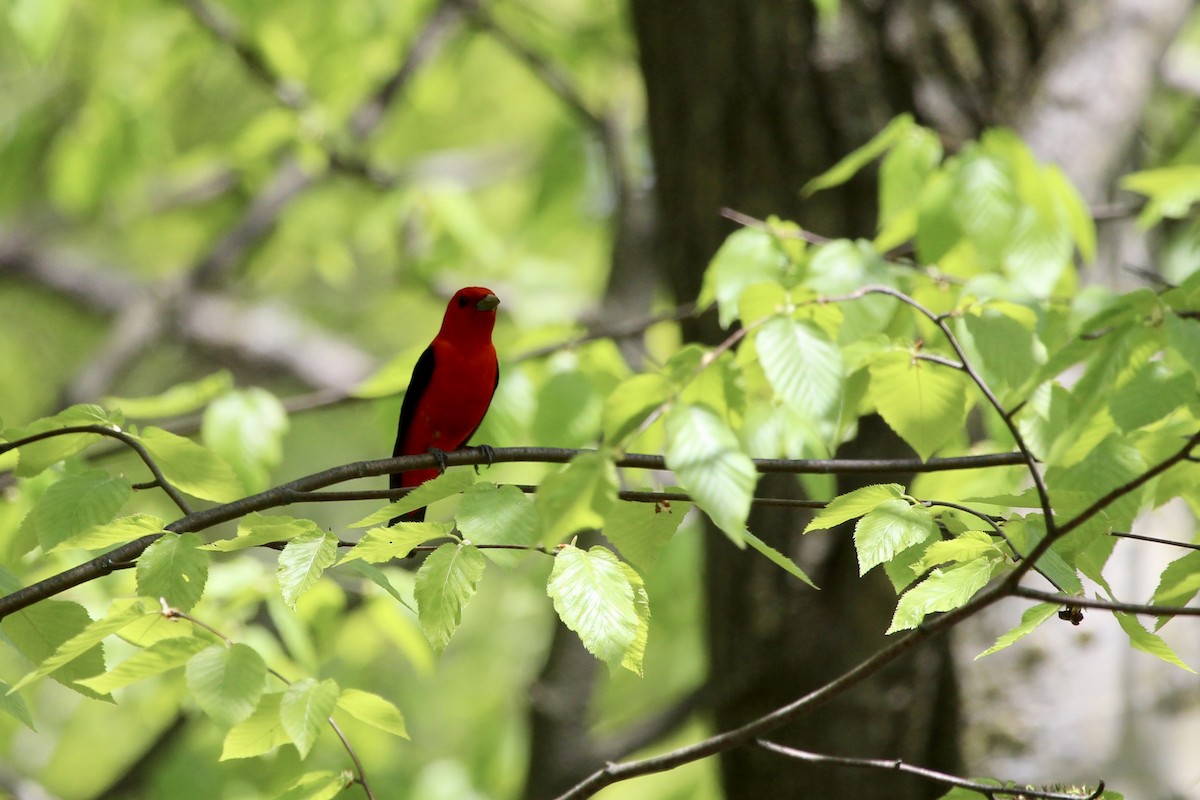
451 387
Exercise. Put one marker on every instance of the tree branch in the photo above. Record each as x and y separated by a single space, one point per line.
1106 605
991 792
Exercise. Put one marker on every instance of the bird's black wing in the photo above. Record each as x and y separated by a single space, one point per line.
417 385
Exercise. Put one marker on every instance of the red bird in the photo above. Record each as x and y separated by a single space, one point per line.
451 386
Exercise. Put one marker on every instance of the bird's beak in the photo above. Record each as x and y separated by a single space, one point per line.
488 303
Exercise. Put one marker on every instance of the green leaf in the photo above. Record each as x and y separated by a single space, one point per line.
82 642
182 398
1171 191
778 559
76 503
302 562
986 203
1031 619
628 405
489 514
322 785
1151 394
641 530
1183 335
37 456
380 579
748 256
855 160
119 531
594 597
373 710
194 469
636 653
448 484
392 377
890 527
156 659
305 709
902 177
445 582
941 591
568 410
965 547
577 497
259 733
1148 642
1178 584
14 706
379 545
1006 346
245 428
708 460
852 505
803 366
227 682
41 629
257 529
925 403
175 568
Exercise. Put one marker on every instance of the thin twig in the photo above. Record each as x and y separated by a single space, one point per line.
896 765
1106 605
1155 540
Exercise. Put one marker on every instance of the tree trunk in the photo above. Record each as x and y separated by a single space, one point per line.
747 100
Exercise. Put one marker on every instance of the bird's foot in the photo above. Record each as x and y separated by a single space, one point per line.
440 455
489 453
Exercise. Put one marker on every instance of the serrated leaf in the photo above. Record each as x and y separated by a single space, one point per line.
36 456
379 545
636 653
305 709
628 405
1006 347
965 547
778 559
1183 335
747 257
182 398
1031 619
577 497
1178 584
490 514
41 629
118 617
154 660
803 365
175 568
448 484
941 591
119 531
14 706
708 460
890 527
76 503
641 530
445 582
1151 394
259 733
373 710
191 468
303 561
227 682
594 597
245 428
852 505
322 785
1148 642
925 403
257 529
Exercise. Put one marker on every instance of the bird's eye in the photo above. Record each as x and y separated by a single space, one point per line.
462 301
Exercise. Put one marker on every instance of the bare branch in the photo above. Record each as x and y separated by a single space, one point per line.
1106 605
1155 540
895 764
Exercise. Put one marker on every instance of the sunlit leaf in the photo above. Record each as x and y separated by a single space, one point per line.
245 428
41 629
76 503
1178 584
383 544
925 403
322 785
180 399
259 733
305 709
14 705
855 160
373 710
1148 642
490 514
1030 620
191 467
941 591
628 405
594 597
448 484
890 527
174 568
445 582
156 659
641 530
577 497
778 559
708 460
37 456
803 366
257 529
747 257
964 547
303 561
852 505
119 531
